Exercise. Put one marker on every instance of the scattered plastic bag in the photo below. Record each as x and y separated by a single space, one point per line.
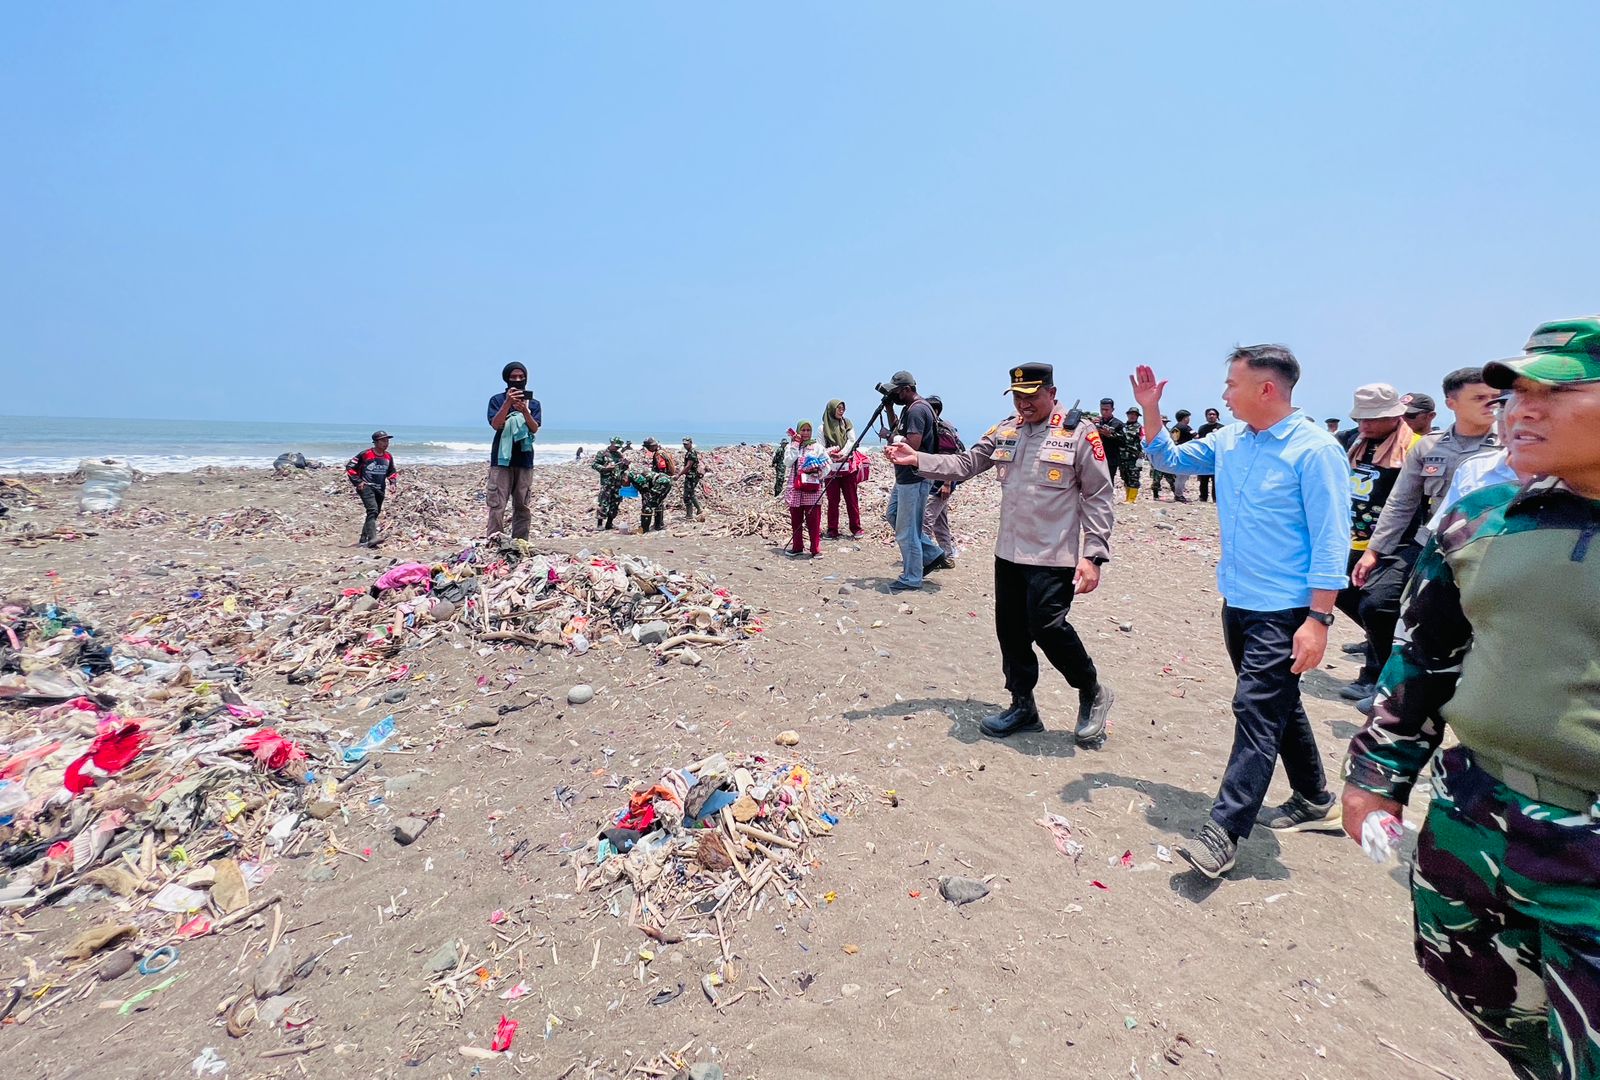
208 1063
375 737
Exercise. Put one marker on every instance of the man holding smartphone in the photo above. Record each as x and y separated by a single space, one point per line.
515 416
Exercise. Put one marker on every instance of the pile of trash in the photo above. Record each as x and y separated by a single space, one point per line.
140 788
718 841
16 495
129 763
505 592
249 521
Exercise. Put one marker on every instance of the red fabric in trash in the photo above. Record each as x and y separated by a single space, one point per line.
110 753
503 1035
272 750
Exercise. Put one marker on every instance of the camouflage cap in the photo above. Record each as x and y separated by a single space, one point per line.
616 440
1567 351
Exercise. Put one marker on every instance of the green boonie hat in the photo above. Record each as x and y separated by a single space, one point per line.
616 440
1558 352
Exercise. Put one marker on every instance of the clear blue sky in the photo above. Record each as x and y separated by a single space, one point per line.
724 214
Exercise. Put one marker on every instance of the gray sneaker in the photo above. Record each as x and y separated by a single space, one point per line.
1214 851
1092 713
1300 814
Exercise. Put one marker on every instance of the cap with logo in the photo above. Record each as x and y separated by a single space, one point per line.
1419 403
1377 401
1031 378
1567 351
381 434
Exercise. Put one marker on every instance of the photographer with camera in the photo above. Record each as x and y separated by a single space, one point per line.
515 416
1055 534
908 505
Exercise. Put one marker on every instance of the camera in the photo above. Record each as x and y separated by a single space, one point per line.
885 390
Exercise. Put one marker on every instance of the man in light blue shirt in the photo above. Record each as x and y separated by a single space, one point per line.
1283 501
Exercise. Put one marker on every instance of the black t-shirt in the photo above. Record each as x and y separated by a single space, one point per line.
1370 486
1182 433
916 419
1111 437
1207 428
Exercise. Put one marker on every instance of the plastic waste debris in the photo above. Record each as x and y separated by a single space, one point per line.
104 481
1381 833
376 736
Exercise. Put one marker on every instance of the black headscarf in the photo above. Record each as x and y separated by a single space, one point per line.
505 372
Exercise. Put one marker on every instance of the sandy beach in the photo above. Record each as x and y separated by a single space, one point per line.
1118 962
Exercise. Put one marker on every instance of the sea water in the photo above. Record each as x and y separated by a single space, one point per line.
36 444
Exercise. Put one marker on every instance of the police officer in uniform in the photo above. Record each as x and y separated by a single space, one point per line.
1055 534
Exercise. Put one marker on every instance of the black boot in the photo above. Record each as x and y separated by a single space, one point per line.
1022 716
1093 708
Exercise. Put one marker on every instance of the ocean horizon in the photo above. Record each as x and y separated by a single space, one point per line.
49 444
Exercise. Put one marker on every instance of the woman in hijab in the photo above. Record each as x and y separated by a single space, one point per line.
804 463
837 434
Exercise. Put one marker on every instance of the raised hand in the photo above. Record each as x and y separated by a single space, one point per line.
1147 392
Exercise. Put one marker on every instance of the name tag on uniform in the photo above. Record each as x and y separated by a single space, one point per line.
1433 466
1005 445
1057 448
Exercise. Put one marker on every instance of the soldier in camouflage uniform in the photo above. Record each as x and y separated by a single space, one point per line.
1132 451
1498 640
692 476
613 470
654 487
777 463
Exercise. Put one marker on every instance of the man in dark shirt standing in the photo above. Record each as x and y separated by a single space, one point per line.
515 417
1213 422
372 473
917 428
1181 433
1112 435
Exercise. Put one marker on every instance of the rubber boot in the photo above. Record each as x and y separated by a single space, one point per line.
1133 495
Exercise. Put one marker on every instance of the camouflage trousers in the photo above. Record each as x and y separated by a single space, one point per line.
691 496
1506 894
610 502
652 511
1130 471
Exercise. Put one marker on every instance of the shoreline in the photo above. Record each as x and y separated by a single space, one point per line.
324 465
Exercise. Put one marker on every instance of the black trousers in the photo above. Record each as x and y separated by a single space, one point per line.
1205 488
1030 608
1349 598
1379 607
1269 720
372 500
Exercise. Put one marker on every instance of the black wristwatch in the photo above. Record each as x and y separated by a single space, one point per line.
1099 560
1323 617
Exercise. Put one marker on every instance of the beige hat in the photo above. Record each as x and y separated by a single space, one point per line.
1377 401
